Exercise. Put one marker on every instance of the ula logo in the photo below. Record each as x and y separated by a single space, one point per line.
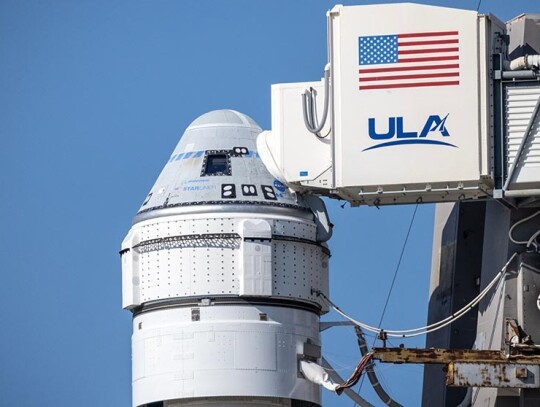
396 134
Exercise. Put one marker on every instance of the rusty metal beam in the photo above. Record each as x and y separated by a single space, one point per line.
512 375
446 356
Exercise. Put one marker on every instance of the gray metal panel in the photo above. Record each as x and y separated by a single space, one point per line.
529 397
497 250
520 104
449 272
524 32
494 375
457 241
528 294
502 303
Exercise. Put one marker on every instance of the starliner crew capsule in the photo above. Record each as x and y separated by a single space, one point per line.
220 269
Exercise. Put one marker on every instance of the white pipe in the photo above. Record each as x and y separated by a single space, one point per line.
409 333
524 62
316 374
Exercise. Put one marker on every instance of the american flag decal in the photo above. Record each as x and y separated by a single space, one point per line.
409 60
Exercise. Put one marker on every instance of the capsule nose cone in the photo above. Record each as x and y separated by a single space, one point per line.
216 162
224 118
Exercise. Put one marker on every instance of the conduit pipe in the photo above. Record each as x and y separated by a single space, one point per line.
524 62
316 374
309 106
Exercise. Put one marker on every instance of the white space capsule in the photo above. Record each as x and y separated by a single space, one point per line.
220 270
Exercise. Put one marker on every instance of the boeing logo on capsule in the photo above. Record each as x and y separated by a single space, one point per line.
396 134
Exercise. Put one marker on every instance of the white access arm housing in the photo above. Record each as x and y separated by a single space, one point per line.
411 109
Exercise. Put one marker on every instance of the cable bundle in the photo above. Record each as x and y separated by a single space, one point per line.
351 381
409 333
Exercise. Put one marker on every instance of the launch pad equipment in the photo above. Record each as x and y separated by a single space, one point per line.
226 263
424 105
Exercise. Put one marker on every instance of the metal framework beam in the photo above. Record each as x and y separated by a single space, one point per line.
472 368
446 356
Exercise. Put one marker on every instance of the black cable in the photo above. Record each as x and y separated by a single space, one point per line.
397 267
478 7
393 281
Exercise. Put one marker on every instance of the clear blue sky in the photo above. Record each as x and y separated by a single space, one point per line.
93 97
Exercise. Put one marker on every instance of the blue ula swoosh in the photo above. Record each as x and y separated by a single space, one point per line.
412 141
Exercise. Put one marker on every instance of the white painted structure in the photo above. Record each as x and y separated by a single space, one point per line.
411 110
220 269
521 102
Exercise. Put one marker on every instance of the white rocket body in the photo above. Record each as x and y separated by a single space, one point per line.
221 269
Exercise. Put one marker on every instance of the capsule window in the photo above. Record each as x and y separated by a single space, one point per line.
216 164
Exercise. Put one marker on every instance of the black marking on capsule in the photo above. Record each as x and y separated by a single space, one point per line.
249 190
239 151
228 191
268 192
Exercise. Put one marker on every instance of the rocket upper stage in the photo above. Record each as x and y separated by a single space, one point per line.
216 173
221 268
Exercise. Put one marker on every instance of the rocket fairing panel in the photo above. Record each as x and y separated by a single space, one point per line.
130 271
255 268
229 348
188 256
